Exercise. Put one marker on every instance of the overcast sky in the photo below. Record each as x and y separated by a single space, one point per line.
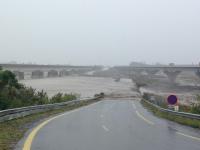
100 32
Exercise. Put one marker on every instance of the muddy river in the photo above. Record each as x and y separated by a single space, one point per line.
84 86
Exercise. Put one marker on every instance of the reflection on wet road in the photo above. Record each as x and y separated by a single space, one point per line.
115 125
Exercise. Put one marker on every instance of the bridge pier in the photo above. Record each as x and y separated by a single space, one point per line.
52 73
198 73
37 74
151 72
138 71
172 75
19 75
63 73
139 79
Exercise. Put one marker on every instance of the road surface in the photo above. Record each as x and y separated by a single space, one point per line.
114 125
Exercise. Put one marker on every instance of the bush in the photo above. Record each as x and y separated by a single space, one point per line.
160 101
155 99
14 94
182 120
101 94
195 109
58 98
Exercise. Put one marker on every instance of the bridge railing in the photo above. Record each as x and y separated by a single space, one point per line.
182 114
10 114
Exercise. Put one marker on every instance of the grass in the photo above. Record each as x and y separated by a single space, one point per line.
12 131
181 120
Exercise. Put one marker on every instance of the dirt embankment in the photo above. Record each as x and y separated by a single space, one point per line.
186 88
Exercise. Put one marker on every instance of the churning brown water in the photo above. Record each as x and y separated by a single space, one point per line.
85 86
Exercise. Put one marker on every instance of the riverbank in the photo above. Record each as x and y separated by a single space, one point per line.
186 88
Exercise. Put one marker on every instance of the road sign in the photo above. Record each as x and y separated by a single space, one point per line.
172 99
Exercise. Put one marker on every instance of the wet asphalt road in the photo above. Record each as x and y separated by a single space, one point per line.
115 125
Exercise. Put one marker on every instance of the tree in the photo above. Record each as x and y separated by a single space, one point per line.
8 78
14 94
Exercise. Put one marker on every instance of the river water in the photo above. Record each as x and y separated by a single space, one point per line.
84 86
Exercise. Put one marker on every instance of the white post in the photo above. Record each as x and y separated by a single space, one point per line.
176 108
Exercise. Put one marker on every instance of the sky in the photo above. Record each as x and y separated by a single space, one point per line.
100 32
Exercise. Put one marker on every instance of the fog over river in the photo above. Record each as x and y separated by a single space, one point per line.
85 86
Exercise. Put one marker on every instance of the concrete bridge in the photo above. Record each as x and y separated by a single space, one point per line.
170 71
25 71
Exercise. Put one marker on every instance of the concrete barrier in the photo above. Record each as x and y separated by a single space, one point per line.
10 114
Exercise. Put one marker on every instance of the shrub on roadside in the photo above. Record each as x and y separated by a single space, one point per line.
14 94
58 98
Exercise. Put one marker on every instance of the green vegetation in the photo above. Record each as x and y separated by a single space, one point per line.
101 95
155 99
182 120
196 107
12 131
14 94
58 98
161 101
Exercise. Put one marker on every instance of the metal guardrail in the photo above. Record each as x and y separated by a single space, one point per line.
182 114
10 114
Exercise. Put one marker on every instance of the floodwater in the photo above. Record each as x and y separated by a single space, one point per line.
84 86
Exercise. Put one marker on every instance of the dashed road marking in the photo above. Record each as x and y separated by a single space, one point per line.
29 140
143 118
152 123
189 136
105 128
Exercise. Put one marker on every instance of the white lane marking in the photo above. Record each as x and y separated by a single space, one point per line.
105 128
101 116
133 104
143 118
28 142
189 136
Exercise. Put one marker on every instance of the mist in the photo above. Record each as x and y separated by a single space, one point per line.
100 32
